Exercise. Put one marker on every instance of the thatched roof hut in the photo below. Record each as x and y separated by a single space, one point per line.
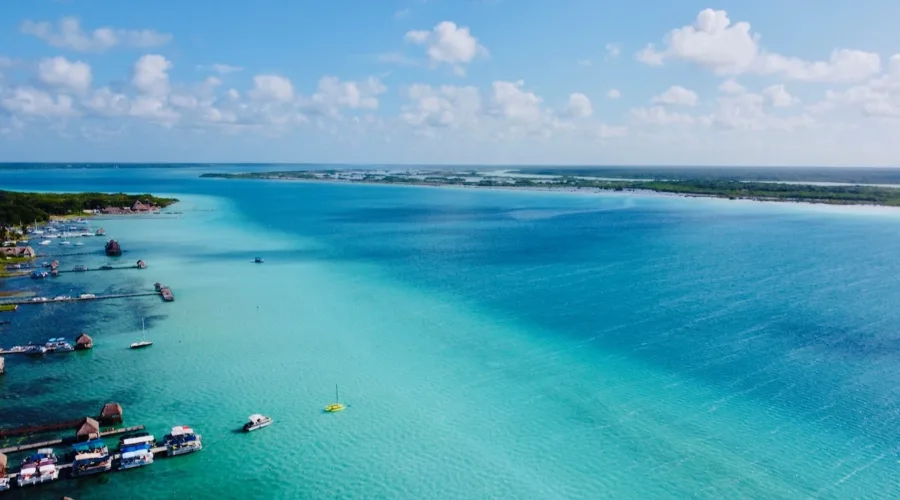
113 249
89 429
84 341
2 464
111 413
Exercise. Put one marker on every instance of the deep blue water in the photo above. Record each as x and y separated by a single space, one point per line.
791 311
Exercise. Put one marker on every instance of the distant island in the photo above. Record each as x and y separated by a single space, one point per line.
23 208
793 191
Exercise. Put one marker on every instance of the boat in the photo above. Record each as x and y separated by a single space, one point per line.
79 244
58 345
39 275
45 242
135 455
137 438
259 260
257 421
337 405
91 457
182 440
34 350
4 483
66 242
38 468
79 269
37 472
143 342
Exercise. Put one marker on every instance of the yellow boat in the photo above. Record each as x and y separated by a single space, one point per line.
337 406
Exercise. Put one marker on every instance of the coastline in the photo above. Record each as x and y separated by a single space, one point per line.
846 208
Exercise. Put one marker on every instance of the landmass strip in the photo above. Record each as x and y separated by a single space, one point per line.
17 209
849 194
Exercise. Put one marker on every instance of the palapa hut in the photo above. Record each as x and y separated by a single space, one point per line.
113 249
89 429
2 464
84 341
111 414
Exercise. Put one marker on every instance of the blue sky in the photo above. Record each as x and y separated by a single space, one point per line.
441 81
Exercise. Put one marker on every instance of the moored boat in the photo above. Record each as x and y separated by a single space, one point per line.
4 483
135 455
38 468
257 421
182 440
91 457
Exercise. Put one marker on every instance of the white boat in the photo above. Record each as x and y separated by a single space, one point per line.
37 473
4 483
143 342
257 421
66 242
91 457
58 345
46 242
79 244
135 455
182 440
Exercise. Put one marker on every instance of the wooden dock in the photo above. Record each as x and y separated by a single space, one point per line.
58 441
110 268
165 293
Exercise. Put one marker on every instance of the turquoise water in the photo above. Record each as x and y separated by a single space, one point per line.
490 344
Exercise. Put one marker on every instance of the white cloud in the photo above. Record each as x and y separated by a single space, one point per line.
447 106
579 106
510 101
614 94
272 88
105 102
68 34
334 94
34 102
61 73
153 108
613 50
714 42
150 74
678 96
779 97
659 115
222 69
730 86
449 44
608 132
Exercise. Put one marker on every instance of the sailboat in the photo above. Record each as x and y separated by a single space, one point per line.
337 406
143 342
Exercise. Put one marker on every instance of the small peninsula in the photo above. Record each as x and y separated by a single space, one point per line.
17 208
733 188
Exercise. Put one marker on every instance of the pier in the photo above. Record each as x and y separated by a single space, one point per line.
58 441
164 292
102 268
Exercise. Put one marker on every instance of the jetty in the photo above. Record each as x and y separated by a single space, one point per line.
110 414
81 269
55 442
164 292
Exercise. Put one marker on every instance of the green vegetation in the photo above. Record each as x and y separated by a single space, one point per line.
23 208
720 188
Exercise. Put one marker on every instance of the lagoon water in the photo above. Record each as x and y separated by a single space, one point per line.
489 344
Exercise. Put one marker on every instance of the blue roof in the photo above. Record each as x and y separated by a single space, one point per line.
135 447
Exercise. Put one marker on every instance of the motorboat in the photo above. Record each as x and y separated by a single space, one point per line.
4 483
91 457
38 468
257 421
58 345
135 455
34 350
45 242
182 440
258 260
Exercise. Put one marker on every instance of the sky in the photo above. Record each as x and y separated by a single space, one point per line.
518 82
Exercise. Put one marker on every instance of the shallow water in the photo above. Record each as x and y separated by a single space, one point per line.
490 344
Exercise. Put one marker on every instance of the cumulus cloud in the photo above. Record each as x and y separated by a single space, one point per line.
29 101
509 100
659 115
61 73
334 94
779 97
727 48
150 75
445 106
68 34
731 86
272 88
678 96
448 44
579 106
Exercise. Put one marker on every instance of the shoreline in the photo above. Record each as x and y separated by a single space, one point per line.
842 207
